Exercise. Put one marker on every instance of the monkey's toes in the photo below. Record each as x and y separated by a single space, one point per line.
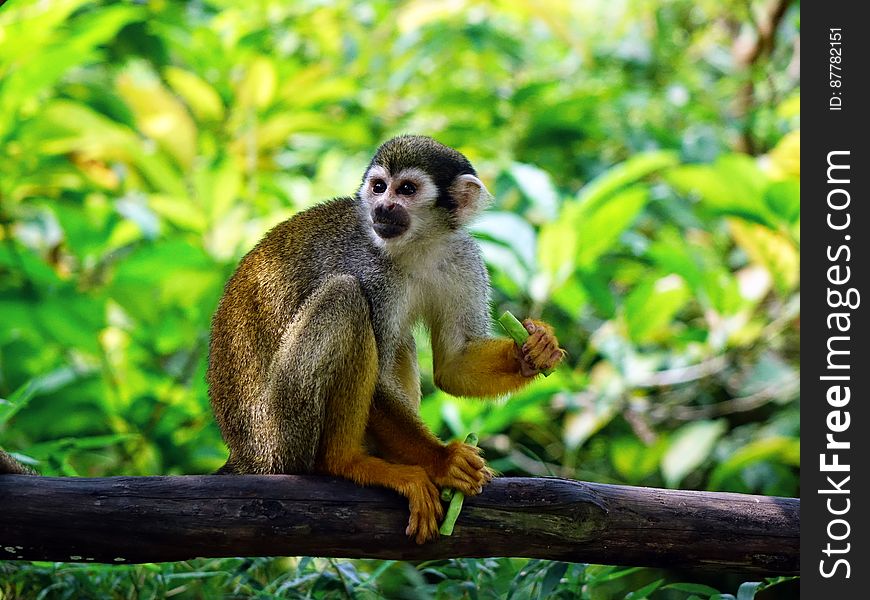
424 500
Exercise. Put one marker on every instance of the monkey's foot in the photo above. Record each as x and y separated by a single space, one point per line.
425 503
541 351
462 468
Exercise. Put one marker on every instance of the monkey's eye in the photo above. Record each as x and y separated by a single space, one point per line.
406 189
379 186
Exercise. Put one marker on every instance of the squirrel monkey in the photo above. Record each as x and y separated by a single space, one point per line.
312 360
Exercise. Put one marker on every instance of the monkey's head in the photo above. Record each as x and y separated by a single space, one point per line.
416 187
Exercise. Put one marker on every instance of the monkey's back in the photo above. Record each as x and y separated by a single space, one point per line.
264 294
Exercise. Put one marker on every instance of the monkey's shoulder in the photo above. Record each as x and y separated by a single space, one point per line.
334 218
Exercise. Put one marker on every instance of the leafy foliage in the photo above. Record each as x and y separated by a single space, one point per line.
145 147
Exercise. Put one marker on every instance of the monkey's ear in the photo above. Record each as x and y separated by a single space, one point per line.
471 196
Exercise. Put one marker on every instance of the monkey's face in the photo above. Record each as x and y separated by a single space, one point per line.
417 188
398 202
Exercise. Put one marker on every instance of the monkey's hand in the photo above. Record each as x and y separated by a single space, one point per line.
424 501
541 351
461 468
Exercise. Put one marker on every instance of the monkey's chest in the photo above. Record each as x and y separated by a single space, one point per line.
408 304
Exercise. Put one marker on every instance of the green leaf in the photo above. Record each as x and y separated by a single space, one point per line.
257 87
159 114
599 225
772 250
184 215
579 426
17 400
72 319
218 187
552 578
645 591
624 174
651 306
733 185
42 68
590 226
692 588
557 248
780 449
167 274
690 445
616 573
633 459
198 94
784 199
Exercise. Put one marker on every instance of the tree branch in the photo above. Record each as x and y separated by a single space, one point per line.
124 520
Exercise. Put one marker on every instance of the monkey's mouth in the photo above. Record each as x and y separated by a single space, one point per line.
390 222
389 230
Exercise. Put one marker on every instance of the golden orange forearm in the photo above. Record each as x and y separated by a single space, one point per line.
488 367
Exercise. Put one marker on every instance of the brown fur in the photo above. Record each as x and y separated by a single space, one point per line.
10 466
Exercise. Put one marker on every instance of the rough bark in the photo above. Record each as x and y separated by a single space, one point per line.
155 519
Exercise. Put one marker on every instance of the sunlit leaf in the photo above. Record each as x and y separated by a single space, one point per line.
43 67
510 230
198 94
652 305
159 114
733 185
218 186
184 215
599 226
636 168
785 158
769 249
689 447
256 89
538 188
581 425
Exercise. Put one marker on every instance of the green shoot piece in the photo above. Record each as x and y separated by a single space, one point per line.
455 497
517 332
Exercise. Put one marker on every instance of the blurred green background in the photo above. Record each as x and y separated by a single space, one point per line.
644 158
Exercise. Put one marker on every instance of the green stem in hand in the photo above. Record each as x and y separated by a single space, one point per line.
517 332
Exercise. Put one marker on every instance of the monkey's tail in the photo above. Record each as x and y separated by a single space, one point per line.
10 466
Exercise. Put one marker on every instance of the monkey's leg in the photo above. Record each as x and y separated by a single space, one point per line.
402 437
340 325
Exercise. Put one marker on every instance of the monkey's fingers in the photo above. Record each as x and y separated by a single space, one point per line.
541 354
537 343
463 469
541 350
532 326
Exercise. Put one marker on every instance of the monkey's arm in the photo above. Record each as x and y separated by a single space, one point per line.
486 366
